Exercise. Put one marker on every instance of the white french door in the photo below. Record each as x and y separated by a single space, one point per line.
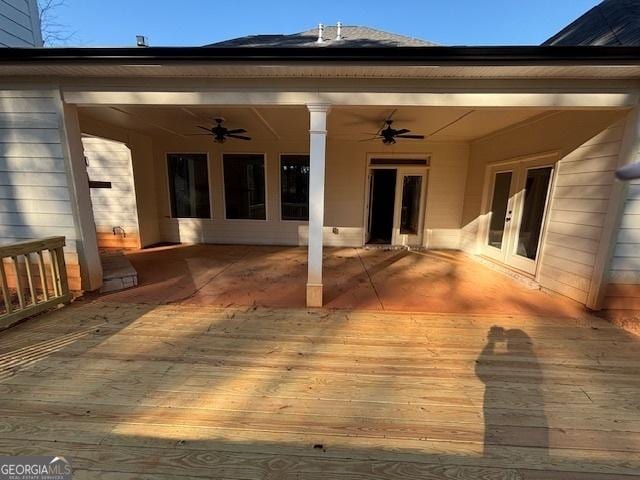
517 204
408 219
369 206
401 200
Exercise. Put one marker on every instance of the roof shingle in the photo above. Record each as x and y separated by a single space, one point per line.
612 22
352 36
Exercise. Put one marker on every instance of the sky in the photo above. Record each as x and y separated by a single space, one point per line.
199 22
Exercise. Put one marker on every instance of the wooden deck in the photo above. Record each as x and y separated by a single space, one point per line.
163 392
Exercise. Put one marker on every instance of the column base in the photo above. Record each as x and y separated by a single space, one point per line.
314 295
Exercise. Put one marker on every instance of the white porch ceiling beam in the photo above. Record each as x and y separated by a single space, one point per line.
264 121
143 120
553 100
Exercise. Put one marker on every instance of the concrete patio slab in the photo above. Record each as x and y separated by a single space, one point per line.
368 279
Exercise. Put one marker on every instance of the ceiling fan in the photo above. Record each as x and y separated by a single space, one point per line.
221 133
388 134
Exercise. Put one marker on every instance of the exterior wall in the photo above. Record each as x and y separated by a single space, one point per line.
145 189
588 153
578 210
622 296
114 209
623 292
19 24
344 194
36 183
143 168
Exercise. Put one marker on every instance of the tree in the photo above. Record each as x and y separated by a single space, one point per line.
53 31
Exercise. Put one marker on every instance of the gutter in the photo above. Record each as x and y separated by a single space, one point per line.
416 56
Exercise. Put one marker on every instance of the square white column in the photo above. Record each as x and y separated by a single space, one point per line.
317 150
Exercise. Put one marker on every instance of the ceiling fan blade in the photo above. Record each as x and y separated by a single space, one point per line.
205 128
417 137
386 120
402 131
239 137
236 130
377 137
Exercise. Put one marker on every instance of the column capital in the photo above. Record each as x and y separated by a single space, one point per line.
319 107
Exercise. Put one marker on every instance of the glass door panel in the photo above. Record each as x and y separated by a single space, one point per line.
535 194
410 207
499 206
408 221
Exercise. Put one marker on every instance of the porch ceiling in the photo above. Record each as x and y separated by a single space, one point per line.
291 123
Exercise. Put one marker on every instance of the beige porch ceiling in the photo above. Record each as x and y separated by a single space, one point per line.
292 123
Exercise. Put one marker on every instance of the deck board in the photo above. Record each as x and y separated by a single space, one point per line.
147 391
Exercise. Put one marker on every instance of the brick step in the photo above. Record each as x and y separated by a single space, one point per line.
117 272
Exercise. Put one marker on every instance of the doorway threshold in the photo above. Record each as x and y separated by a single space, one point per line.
383 246
524 279
386 246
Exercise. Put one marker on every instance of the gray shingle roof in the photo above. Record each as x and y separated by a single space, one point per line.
352 36
612 22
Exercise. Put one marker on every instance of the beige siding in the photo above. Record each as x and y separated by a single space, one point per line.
114 209
19 24
577 214
624 274
142 163
35 198
588 154
344 196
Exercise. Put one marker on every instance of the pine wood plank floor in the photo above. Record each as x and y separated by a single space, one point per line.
145 391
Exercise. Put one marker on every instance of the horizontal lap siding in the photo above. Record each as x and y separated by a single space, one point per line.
19 24
577 214
110 161
34 184
623 291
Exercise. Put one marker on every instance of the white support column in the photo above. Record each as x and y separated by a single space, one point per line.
86 241
317 148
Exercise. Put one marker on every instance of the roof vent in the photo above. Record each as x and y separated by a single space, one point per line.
339 31
320 32
142 41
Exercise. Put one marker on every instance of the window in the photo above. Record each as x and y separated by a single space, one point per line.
244 187
294 187
189 185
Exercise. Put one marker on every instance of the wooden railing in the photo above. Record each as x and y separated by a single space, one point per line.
40 265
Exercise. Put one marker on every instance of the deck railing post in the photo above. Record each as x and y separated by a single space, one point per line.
24 251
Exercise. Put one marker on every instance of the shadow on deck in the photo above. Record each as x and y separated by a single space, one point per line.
135 391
